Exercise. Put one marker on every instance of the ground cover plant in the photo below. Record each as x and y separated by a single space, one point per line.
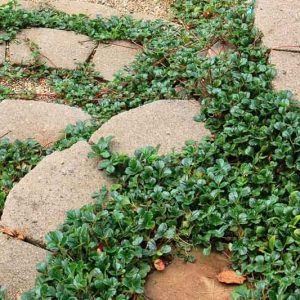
237 191
16 160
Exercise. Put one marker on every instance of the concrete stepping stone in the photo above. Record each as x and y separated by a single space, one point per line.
58 48
19 52
112 57
44 122
217 49
168 123
60 182
18 261
92 10
279 21
190 281
2 53
288 71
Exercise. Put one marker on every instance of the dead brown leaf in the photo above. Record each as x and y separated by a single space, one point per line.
230 277
13 233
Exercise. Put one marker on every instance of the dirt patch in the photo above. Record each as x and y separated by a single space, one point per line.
30 89
147 9
190 281
154 8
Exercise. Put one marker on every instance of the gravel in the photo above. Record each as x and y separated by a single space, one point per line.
155 8
151 8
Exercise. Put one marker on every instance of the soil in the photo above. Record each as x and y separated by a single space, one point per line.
155 8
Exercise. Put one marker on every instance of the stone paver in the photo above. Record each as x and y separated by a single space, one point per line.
168 123
58 48
288 71
92 10
279 21
18 261
62 181
217 49
190 281
44 122
2 53
19 51
110 58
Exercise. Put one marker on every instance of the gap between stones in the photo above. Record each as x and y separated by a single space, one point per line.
91 56
286 50
25 240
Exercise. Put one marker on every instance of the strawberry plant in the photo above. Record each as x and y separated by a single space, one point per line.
16 160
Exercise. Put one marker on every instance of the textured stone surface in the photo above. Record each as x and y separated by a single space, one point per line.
19 51
112 57
217 49
44 122
2 53
62 181
18 261
190 281
168 123
288 71
58 48
92 10
280 23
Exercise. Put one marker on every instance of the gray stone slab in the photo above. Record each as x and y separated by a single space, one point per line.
112 57
18 261
60 182
2 53
279 21
92 10
44 122
217 49
58 48
190 281
19 51
168 123
287 65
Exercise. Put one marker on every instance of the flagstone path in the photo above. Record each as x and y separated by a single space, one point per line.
65 180
279 22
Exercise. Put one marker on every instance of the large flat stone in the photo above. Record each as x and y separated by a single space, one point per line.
62 181
279 21
58 48
112 57
19 51
92 10
18 261
168 123
190 281
44 122
2 53
288 71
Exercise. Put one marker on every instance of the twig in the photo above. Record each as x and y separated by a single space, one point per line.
2 136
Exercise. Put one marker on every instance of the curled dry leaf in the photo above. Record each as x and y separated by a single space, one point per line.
13 233
230 277
159 265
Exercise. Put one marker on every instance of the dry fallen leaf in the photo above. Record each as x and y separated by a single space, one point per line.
13 233
230 277
159 265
